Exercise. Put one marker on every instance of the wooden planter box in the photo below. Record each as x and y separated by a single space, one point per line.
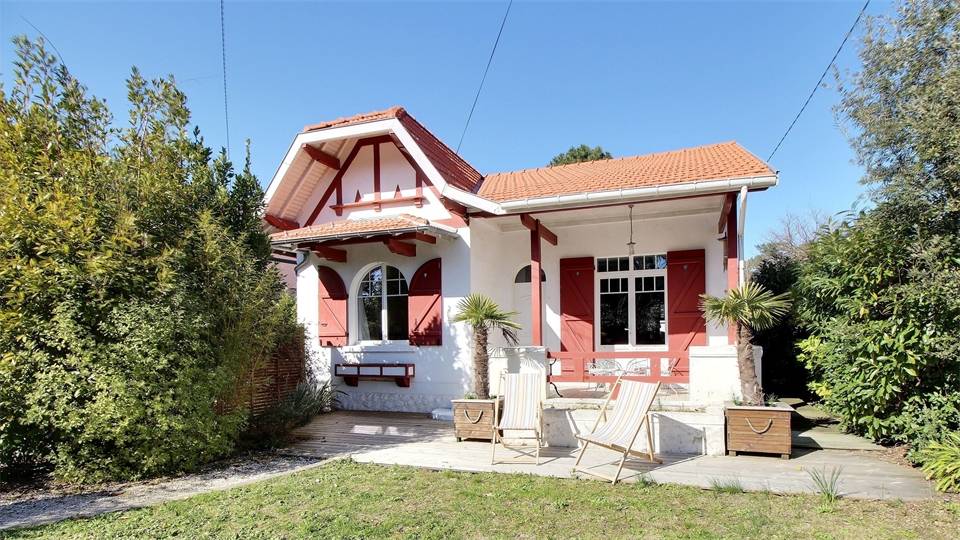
473 418
764 429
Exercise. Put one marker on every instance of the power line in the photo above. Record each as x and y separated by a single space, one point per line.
484 78
822 76
223 52
44 36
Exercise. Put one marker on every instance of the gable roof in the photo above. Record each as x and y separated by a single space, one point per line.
454 169
714 168
726 160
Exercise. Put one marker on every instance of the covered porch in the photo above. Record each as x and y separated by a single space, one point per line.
619 285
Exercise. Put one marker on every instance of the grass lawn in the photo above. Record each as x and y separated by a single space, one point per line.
345 499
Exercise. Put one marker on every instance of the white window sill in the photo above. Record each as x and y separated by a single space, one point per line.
380 347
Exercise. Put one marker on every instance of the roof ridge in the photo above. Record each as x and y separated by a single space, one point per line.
559 168
394 111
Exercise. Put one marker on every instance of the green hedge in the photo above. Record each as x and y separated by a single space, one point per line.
135 290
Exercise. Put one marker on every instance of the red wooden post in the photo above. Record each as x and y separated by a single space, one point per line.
733 259
536 319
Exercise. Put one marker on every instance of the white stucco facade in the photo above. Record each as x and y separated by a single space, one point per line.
376 170
485 257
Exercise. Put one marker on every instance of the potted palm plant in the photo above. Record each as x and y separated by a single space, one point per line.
753 424
473 415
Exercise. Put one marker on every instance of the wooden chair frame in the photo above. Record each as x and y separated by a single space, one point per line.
498 437
645 423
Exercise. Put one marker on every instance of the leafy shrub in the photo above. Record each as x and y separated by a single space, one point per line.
135 289
880 291
941 461
273 426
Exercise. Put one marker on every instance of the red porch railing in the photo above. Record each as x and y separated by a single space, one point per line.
606 366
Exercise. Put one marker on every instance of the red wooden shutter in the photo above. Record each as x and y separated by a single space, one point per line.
576 304
424 305
332 329
686 281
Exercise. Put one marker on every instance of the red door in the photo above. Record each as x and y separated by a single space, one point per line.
576 304
686 281
333 308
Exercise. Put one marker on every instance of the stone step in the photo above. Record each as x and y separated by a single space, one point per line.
832 439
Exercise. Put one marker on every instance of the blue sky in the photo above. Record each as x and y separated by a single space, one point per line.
632 77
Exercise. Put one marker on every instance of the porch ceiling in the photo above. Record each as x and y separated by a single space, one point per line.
690 206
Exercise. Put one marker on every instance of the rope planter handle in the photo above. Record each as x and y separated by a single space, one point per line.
466 414
760 431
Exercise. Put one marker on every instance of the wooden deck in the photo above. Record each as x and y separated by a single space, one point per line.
419 441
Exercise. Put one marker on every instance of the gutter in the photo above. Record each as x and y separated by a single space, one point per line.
637 194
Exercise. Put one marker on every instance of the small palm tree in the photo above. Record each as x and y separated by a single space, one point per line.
482 313
750 307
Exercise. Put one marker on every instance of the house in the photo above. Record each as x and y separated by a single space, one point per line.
603 261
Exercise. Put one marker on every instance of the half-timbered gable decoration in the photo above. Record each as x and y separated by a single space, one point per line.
603 262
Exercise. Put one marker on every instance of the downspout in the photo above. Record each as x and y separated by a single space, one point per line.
741 222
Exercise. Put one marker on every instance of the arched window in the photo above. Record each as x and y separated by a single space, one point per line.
523 276
382 305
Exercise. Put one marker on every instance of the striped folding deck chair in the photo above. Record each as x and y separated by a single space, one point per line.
522 409
630 414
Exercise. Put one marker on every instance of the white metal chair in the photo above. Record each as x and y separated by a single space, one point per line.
631 413
604 367
522 410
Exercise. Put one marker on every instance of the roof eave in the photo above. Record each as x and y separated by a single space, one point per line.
436 228
577 200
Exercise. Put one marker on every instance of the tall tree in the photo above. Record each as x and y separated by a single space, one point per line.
133 292
880 292
577 154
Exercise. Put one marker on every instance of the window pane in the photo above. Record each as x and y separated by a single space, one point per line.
648 262
661 262
403 286
604 285
614 319
638 262
651 325
368 318
523 276
392 273
397 318
393 287
659 283
624 264
648 283
601 265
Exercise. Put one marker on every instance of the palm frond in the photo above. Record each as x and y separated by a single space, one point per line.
751 305
479 310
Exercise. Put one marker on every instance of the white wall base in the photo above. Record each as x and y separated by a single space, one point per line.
714 374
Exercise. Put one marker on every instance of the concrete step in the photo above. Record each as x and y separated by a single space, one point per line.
829 437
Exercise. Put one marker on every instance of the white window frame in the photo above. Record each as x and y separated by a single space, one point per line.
383 305
631 303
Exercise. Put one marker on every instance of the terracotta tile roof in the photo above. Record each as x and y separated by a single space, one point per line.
452 167
386 114
348 227
710 162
